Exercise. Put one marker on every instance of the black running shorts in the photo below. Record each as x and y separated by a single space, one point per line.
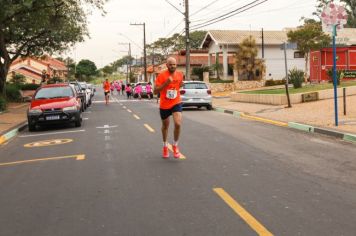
165 113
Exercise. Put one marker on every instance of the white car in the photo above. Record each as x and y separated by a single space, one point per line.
196 93
87 90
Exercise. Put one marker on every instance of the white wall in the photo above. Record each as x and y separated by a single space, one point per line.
275 65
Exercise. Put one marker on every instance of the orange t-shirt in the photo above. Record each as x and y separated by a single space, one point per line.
170 95
106 86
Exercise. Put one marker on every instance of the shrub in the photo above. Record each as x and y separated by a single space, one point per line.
271 82
29 86
339 74
18 79
198 71
220 81
2 104
296 77
13 92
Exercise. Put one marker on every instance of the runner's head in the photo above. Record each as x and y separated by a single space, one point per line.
171 64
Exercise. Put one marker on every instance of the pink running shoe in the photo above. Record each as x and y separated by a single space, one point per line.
176 152
165 154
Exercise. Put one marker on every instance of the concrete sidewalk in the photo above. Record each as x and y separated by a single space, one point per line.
13 118
319 113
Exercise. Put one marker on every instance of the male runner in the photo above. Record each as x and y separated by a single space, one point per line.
168 84
106 87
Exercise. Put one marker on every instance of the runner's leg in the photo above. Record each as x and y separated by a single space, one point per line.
177 118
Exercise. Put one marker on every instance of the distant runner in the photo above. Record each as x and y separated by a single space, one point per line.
106 87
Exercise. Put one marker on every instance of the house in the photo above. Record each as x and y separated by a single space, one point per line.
35 68
226 43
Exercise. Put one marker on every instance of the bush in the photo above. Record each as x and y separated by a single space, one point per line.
339 74
18 79
13 93
198 71
220 81
271 82
29 86
296 77
3 104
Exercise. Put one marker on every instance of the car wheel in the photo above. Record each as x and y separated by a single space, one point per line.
209 107
78 123
31 127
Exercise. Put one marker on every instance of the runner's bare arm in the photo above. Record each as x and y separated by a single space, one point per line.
166 83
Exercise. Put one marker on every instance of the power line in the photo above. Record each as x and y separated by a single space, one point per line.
219 11
226 14
175 28
221 18
201 9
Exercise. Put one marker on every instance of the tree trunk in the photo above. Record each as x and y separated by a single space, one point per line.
306 67
4 68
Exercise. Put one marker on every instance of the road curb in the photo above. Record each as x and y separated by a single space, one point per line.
9 134
293 125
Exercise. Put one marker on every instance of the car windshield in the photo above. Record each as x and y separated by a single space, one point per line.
83 85
195 86
54 92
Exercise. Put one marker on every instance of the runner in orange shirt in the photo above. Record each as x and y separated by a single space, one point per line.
106 87
168 85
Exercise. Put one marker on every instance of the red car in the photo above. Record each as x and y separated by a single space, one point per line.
54 103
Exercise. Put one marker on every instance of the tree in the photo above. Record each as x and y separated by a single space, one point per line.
309 36
85 69
350 8
108 70
196 38
36 27
247 64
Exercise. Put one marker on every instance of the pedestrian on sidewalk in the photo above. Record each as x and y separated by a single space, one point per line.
168 85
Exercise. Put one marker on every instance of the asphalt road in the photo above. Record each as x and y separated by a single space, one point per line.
239 177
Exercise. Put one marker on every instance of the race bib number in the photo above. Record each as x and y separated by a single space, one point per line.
171 94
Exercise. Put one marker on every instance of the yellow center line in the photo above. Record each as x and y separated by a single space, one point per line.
77 157
129 110
264 120
171 149
247 217
149 128
137 117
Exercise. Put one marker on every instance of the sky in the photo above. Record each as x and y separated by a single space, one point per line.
110 34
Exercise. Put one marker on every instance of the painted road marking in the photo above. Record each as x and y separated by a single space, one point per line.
149 128
247 217
45 143
85 118
106 131
182 157
124 107
34 135
107 127
273 122
129 110
137 117
77 157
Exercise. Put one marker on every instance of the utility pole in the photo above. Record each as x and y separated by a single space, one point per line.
263 45
129 63
144 49
187 42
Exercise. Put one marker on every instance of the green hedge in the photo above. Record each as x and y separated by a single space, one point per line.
13 93
296 77
271 82
29 86
220 81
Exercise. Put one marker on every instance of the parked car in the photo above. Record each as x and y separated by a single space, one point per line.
54 103
80 93
87 90
92 90
196 93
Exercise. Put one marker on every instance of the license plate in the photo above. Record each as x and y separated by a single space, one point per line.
52 117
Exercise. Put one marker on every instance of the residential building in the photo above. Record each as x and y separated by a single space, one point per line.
226 43
34 68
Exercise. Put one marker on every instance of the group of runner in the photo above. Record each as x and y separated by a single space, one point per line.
167 87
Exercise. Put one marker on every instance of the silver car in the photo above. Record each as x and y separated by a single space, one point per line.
196 93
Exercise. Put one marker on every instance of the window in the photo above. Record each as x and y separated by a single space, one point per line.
298 54
195 86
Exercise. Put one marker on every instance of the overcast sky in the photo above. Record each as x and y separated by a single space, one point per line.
162 20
